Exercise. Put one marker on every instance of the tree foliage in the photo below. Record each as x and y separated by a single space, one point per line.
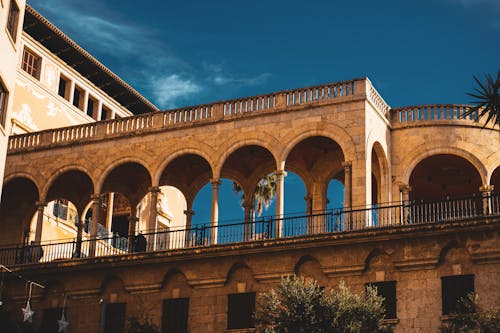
487 100
300 307
472 318
264 192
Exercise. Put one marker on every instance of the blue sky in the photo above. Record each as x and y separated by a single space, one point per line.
180 53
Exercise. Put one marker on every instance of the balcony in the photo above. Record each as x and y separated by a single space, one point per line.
259 233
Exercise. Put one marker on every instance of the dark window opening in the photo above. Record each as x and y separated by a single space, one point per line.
387 290
114 318
90 107
78 98
3 104
175 315
105 113
240 310
32 63
454 288
63 85
13 20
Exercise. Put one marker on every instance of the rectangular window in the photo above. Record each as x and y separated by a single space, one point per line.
453 288
175 315
3 104
114 318
63 87
105 113
49 320
60 209
240 310
13 20
387 290
32 63
78 96
90 107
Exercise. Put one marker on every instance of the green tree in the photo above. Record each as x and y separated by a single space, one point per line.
487 100
471 318
300 307
264 193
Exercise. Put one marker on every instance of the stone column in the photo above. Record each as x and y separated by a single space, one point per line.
153 215
405 190
214 216
96 206
132 225
486 191
189 219
348 194
248 229
280 201
40 208
109 211
79 232
310 227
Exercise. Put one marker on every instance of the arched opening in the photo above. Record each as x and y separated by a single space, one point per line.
18 204
317 160
495 180
122 190
441 176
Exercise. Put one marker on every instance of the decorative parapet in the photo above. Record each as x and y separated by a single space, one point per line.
377 101
405 116
202 114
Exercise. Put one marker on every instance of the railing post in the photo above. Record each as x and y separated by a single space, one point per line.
348 193
405 200
153 214
189 217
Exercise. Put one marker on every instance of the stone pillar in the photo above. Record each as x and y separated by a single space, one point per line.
109 211
153 215
348 195
214 216
40 208
189 219
310 227
248 229
347 185
486 191
79 232
132 226
280 201
405 190
96 206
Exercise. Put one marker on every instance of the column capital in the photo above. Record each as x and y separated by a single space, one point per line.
405 188
486 188
40 204
95 197
347 165
280 173
215 182
154 189
189 212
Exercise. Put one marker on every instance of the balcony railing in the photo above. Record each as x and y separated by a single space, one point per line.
327 222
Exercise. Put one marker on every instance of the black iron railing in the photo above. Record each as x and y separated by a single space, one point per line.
332 221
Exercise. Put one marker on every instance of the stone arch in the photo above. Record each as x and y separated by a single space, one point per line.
310 268
374 253
171 274
112 283
110 167
328 130
412 160
384 187
495 179
80 197
62 170
185 151
26 175
240 278
17 206
447 248
267 142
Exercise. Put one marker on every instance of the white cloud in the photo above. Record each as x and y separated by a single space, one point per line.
170 88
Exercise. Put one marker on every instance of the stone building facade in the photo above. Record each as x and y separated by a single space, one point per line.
420 217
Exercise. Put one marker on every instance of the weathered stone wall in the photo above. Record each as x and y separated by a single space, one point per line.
414 256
